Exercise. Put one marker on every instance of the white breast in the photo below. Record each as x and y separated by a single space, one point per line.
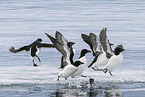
68 71
101 60
74 51
81 67
113 62
38 50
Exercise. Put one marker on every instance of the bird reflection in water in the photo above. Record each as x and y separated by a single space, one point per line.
88 90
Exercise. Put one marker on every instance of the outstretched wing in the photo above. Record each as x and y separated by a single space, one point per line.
61 39
24 48
46 45
97 47
94 43
61 46
87 40
105 43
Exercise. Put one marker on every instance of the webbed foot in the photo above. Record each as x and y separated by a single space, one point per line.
83 76
35 65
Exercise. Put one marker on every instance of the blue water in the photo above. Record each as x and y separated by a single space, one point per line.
23 21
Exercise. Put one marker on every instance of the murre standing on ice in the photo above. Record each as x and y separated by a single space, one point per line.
34 49
100 48
115 60
64 47
70 68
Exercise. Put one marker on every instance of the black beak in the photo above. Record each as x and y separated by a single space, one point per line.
123 49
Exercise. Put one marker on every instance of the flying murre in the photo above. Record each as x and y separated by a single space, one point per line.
81 67
62 46
69 69
34 49
115 60
99 48
77 68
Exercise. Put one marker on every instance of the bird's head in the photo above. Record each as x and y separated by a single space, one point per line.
119 49
39 40
84 51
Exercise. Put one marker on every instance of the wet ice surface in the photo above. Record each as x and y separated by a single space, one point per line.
65 91
42 81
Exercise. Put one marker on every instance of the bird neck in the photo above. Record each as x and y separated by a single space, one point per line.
71 55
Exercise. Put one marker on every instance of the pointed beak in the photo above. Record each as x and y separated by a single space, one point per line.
81 63
111 44
73 43
123 49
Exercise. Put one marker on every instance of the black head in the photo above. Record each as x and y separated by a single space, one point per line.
83 52
70 44
39 40
118 49
77 63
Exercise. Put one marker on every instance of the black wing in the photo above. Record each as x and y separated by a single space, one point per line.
46 45
66 45
94 43
25 48
61 39
105 43
58 45
61 47
87 40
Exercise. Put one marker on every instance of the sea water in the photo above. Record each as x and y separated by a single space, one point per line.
23 21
